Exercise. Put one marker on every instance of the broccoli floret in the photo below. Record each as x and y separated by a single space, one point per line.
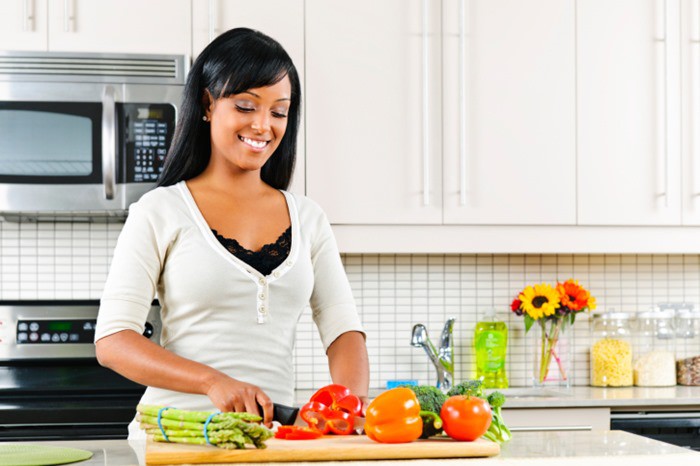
498 430
431 400
468 388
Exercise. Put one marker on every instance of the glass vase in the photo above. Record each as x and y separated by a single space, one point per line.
552 348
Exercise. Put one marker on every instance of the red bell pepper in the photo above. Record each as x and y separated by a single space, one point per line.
297 433
332 409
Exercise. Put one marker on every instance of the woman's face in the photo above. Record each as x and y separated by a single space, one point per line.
247 128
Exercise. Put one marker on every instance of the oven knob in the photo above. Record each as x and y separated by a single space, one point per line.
148 331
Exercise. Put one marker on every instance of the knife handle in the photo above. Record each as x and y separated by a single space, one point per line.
285 415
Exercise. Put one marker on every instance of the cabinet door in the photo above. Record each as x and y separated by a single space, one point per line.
121 26
373 114
690 74
283 20
628 112
509 117
23 25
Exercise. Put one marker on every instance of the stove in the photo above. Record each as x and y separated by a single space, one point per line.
51 386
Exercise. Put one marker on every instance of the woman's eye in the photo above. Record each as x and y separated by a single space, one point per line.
244 109
279 115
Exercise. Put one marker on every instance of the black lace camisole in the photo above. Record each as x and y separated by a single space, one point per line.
267 259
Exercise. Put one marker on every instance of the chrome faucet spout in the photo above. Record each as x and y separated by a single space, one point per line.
442 357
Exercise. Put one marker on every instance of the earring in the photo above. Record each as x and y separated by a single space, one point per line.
205 118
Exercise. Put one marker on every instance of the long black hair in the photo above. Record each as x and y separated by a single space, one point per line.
237 60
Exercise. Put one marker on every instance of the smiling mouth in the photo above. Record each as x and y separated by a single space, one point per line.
253 142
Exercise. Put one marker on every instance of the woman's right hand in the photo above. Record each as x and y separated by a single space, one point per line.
229 394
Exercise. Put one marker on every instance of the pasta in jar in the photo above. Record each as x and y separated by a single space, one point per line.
611 352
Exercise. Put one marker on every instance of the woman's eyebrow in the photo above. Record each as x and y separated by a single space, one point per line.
257 96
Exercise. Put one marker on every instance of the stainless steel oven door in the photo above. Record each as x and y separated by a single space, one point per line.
63 145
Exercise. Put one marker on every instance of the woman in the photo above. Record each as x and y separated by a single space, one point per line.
232 257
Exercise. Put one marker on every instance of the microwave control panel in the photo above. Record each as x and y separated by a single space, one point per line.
148 130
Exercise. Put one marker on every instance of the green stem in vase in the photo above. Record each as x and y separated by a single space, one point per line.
544 353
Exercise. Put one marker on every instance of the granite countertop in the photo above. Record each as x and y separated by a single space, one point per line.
622 398
526 448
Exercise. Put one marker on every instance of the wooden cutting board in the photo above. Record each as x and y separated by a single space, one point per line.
327 448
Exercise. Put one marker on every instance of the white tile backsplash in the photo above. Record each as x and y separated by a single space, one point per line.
393 292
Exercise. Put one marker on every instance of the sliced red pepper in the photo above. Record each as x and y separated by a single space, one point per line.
297 433
332 409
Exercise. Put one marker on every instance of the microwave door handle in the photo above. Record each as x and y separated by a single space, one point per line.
109 142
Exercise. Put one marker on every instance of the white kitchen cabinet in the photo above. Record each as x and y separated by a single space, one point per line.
283 20
448 112
690 111
23 25
105 26
509 112
373 110
628 80
120 26
557 419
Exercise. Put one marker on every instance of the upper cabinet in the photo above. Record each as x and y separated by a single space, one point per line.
509 112
373 110
453 111
108 26
283 20
629 116
690 110
24 25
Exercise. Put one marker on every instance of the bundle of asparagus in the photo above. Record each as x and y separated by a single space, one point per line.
225 430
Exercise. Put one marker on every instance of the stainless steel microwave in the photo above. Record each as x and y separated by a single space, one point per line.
84 134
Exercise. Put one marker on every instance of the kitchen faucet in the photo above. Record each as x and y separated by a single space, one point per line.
442 358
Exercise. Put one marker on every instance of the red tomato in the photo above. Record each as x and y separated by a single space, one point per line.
297 433
465 417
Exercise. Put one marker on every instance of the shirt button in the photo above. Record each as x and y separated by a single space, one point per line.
262 281
262 297
262 310
276 274
290 263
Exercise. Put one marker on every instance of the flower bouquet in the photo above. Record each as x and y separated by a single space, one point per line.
554 309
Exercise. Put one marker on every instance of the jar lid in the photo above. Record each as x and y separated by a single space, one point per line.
661 314
614 315
689 313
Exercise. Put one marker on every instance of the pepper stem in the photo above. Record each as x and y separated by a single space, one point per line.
434 417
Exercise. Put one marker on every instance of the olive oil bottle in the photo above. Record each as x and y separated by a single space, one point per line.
490 344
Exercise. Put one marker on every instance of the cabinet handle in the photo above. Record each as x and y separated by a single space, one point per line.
426 107
28 16
463 116
68 14
109 142
212 7
662 98
550 428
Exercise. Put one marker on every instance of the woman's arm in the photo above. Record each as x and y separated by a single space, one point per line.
139 359
349 364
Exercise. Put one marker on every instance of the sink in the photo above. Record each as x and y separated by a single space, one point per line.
530 392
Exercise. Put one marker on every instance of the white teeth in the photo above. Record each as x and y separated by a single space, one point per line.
254 143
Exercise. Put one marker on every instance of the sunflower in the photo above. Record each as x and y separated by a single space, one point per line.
574 296
539 301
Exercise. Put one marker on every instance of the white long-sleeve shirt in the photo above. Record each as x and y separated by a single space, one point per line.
215 308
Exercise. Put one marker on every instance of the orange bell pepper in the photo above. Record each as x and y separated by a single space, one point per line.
394 417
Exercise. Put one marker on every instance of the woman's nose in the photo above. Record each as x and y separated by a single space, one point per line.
261 122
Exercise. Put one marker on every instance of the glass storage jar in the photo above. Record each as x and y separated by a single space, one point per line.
611 350
688 346
655 351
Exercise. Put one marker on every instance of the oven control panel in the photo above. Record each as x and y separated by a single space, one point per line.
55 331
50 330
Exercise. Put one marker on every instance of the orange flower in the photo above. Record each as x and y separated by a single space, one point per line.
574 296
